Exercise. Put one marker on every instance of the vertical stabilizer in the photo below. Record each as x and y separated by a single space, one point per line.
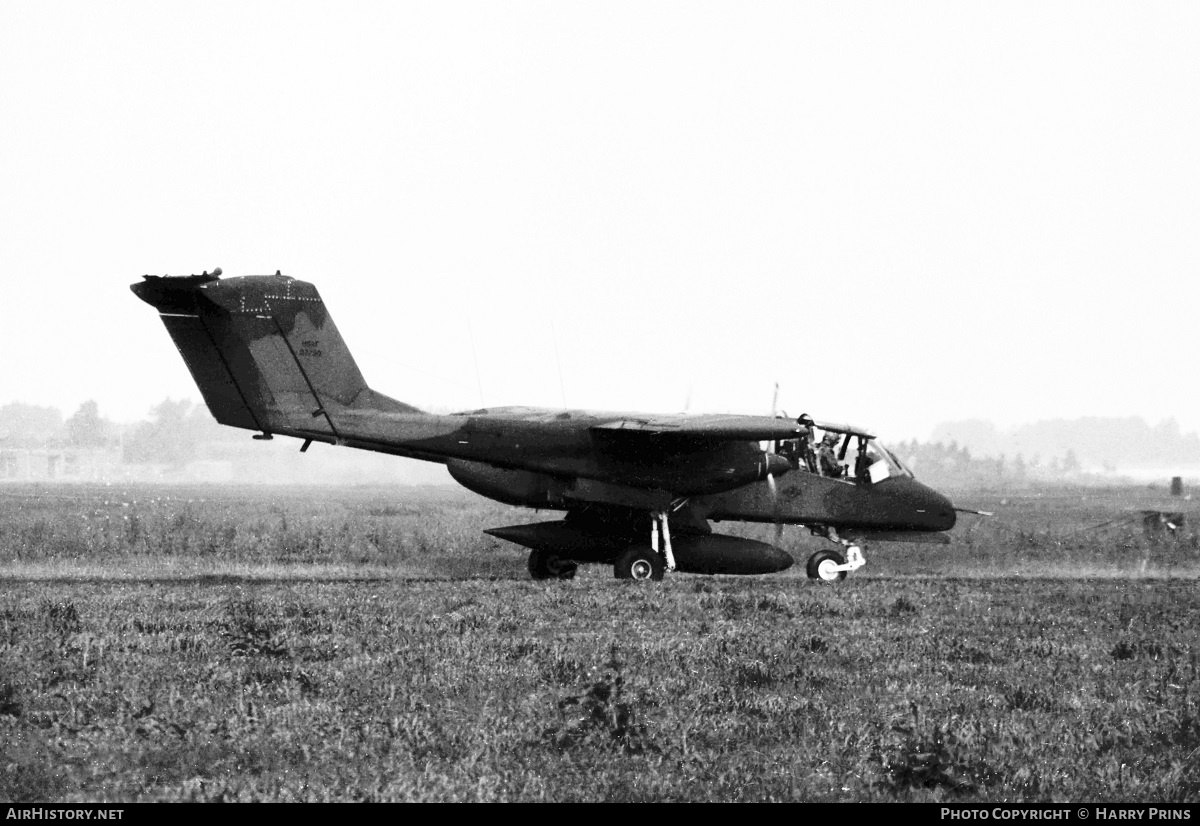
264 352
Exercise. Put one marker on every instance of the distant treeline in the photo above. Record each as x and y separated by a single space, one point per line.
953 465
180 441
972 452
176 432
1093 443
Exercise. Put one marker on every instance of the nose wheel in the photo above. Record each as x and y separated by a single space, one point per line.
831 566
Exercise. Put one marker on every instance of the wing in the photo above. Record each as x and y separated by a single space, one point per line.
711 427
725 427
830 427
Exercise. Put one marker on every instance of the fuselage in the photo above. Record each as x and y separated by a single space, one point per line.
536 458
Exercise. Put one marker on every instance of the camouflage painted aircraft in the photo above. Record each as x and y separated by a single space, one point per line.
638 491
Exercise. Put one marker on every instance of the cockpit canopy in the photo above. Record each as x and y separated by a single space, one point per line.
843 453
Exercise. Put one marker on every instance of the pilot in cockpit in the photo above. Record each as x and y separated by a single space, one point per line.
806 445
788 449
827 456
862 465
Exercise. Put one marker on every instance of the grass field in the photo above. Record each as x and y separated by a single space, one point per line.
274 644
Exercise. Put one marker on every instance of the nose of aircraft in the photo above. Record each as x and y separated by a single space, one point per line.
938 510
924 508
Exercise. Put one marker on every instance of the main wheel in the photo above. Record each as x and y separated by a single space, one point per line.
823 565
549 565
639 563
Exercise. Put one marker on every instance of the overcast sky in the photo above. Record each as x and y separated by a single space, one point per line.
903 213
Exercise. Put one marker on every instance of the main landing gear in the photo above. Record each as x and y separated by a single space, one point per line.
642 563
549 565
831 566
639 563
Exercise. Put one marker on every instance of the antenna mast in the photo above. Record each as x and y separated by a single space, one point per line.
475 358
562 388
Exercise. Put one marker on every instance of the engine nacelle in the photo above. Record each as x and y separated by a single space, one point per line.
744 470
524 488
532 489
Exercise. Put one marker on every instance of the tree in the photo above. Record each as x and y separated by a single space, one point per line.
85 428
28 425
1070 463
167 439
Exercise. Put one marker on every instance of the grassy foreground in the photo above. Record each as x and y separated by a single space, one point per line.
696 689
318 647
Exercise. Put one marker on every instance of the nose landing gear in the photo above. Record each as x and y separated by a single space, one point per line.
831 566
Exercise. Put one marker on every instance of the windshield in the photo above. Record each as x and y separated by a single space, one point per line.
895 467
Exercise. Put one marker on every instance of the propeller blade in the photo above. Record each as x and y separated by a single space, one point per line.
774 486
977 513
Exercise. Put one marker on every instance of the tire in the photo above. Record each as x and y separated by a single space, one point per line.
820 563
640 564
549 565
